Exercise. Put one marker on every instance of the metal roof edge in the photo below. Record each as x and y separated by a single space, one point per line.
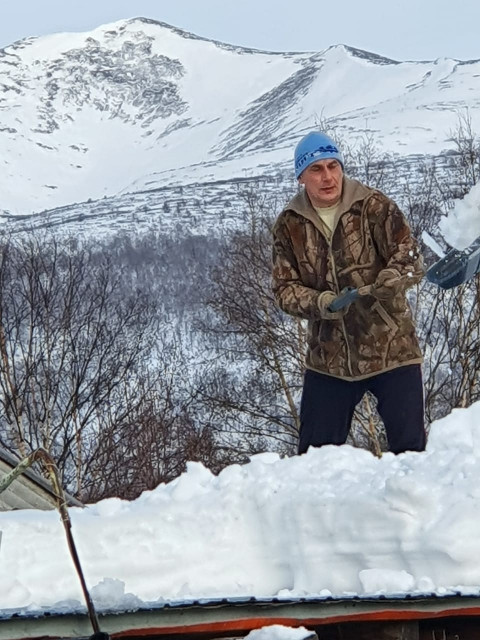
234 616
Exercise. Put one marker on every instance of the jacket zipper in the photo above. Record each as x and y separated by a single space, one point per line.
334 271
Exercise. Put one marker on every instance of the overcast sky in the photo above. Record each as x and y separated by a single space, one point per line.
399 29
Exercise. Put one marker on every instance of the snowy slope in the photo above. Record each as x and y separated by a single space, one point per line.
138 105
334 521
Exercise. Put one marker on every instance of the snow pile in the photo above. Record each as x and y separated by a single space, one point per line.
279 632
335 521
461 225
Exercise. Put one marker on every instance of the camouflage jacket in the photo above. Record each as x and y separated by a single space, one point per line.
370 234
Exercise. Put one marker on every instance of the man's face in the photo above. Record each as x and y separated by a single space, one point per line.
323 182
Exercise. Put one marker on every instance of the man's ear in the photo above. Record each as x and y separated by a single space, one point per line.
300 180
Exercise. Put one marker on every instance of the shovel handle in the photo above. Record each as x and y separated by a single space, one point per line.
347 295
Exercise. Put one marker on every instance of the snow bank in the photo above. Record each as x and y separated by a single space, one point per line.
336 521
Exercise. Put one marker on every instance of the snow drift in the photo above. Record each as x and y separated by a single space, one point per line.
334 521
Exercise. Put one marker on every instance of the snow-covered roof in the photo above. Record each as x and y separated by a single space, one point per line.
336 521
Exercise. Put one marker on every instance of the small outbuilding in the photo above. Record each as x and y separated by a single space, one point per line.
29 490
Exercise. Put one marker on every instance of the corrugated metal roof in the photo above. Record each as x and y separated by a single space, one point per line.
235 615
24 493
28 491
67 608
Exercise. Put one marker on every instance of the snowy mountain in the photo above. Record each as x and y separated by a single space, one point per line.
138 106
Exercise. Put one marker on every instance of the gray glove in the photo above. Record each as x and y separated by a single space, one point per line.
388 283
324 300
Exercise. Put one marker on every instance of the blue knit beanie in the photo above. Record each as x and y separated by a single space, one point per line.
315 146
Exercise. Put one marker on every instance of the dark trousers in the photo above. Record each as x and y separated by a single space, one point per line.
328 404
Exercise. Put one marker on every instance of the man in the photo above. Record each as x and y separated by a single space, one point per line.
337 233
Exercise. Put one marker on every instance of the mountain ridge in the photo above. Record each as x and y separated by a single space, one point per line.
139 103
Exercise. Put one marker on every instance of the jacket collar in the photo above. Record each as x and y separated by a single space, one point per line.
352 191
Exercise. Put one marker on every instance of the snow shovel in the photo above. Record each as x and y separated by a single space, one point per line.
457 267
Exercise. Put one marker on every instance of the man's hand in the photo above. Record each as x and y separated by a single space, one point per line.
324 300
388 283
